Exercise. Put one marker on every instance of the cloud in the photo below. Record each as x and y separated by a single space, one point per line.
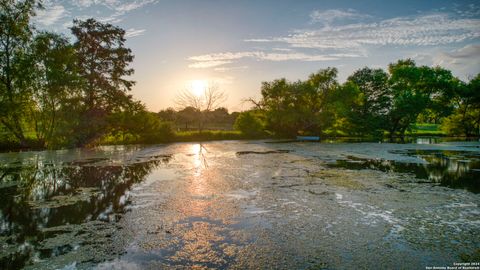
225 69
208 64
464 60
83 3
132 32
329 16
423 30
219 59
50 14
112 10
340 34
468 52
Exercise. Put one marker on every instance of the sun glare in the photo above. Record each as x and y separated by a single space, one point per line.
198 87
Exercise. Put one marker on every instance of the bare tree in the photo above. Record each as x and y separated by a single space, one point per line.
211 98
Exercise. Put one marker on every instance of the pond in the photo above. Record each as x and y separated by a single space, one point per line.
243 205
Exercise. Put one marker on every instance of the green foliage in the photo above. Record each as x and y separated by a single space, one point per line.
102 62
370 103
465 119
416 89
299 107
250 123
54 87
57 94
15 65
137 125
207 135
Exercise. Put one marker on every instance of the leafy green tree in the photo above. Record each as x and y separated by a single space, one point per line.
102 62
15 69
299 107
368 112
55 84
250 123
136 124
465 120
414 90
340 110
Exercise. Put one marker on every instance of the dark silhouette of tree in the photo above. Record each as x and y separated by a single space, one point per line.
168 114
103 64
188 116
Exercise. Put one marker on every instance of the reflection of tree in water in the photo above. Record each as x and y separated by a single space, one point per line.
455 169
46 195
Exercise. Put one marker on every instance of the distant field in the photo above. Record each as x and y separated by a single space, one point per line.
426 129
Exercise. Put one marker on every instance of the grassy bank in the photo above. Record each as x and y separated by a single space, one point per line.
185 136
426 130
418 130
209 135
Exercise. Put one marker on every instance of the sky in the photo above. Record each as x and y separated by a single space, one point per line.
239 44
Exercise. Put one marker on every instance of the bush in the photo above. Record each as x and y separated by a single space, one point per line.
163 133
250 124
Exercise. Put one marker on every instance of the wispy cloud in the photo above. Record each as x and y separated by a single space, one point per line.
424 30
50 14
327 17
219 59
225 69
467 52
208 64
466 58
112 11
462 61
132 32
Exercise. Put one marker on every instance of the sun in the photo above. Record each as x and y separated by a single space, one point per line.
198 87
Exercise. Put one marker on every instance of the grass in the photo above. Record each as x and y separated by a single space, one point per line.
426 130
208 135
184 136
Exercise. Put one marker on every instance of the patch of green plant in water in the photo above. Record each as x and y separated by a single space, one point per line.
339 178
80 194
82 245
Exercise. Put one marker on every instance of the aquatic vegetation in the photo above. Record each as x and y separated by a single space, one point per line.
241 205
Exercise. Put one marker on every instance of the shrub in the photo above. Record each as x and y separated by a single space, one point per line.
250 124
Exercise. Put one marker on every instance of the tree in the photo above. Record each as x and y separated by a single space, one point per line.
414 90
102 62
188 116
299 107
465 119
211 99
55 84
15 70
368 112
168 114
136 124
250 124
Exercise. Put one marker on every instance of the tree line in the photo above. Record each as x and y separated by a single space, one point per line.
56 92
59 93
372 103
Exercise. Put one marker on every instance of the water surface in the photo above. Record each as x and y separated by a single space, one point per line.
245 205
